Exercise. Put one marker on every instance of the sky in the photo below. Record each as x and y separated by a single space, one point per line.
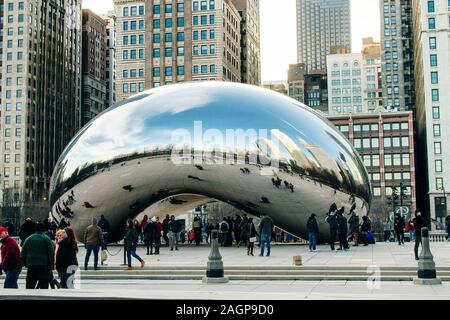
278 31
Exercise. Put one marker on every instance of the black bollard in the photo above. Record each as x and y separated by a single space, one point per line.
426 273
214 267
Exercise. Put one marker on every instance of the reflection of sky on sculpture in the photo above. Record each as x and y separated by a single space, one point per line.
143 124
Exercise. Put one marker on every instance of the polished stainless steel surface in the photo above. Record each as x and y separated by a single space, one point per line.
169 145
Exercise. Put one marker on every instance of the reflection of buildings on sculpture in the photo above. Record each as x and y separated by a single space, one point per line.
385 142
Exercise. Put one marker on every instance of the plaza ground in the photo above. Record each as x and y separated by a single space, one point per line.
382 255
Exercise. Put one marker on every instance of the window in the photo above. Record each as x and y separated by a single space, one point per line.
434 77
125 25
168 23
195 36
141 73
212 68
430 6
156 53
212 49
125 40
212 4
435 94
431 23
437 148
156 38
168 8
195 69
180 7
125 88
133 39
141 54
439 183
432 42
180 70
168 52
18 132
204 50
204 19
141 39
156 72
133 25
125 73
180 36
156 24
438 165
180 22
141 24
433 60
204 69
141 10
437 130
168 71
133 54
168 37
376 191
126 11
212 19
195 20
133 11
195 50
141 86
195 6
436 113
180 51
156 9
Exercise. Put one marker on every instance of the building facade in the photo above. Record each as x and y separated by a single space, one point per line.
397 78
40 96
346 83
162 42
250 41
321 24
385 141
296 81
431 22
94 66
373 93
316 90
110 20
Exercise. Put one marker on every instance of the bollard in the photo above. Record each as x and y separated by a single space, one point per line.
214 267
426 273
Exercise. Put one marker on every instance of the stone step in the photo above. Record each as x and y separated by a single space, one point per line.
264 268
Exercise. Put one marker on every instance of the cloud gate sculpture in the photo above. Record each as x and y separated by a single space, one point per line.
178 146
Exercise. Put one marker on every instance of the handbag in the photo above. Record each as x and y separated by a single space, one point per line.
252 239
104 256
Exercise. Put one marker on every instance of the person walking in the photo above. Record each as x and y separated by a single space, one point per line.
399 226
342 230
332 221
209 229
223 232
353 223
104 225
131 243
26 230
366 227
93 240
313 230
157 234
265 230
38 254
410 227
174 232
143 224
237 230
165 224
387 227
251 236
12 262
419 223
10 226
149 236
66 257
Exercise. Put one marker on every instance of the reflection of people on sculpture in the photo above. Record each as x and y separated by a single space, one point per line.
128 188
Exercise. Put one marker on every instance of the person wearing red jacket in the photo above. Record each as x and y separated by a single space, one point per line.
12 263
158 232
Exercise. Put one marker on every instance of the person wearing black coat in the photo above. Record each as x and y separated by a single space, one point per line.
343 231
66 257
313 230
399 227
149 236
251 234
365 228
419 223
26 230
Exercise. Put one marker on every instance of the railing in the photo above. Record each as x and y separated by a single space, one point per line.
438 236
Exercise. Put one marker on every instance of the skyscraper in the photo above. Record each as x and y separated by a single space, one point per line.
41 94
110 19
94 65
321 24
162 42
431 29
397 75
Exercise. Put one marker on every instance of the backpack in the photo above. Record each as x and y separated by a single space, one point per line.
223 227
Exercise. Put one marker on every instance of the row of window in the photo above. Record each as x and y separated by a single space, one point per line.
204 35
346 73
133 39
204 69
8 106
20 6
392 126
19 94
8 119
168 71
203 50
133 73
7 158
168 8
389 176
133 54
8 132
338 100
6 174
133 25
339 91
400 159
133 11
168 23
133 87
168 52
17 145
389 142
203 5
167 37
203 20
